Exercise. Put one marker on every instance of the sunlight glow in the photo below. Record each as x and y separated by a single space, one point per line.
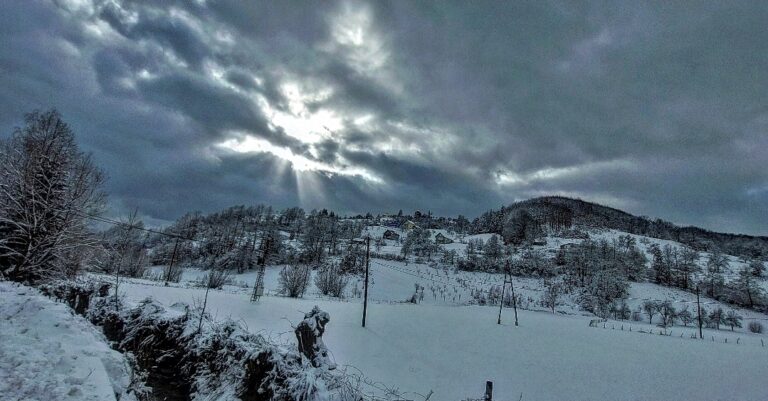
298 121
251 144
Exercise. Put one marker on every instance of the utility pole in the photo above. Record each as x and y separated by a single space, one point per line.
514 299
170 265
507 271
501 304
698 306
367 267
258 286
503 287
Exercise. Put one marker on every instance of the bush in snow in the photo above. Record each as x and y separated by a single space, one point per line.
215 278
330 281
294 280
755 327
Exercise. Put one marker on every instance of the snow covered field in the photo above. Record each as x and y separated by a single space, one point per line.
48 353
453 349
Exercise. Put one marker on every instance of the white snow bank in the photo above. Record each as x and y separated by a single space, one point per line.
48 353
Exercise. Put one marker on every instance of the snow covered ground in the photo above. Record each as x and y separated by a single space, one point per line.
448 345
452 348
48 353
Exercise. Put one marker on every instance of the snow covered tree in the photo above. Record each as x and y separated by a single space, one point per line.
492 251
716 264
686 267
717 317
624 311
330 281
659 267
552 292
733 319
747 290
294 280
48 187
685 316
605 286
520 227
667 313
650 308
633 262
125 245
449 257
419 243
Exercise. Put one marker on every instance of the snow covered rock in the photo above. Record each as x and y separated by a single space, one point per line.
309 334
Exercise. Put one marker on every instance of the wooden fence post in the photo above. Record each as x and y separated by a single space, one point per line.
488 391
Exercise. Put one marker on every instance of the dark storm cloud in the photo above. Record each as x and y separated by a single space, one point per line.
658 108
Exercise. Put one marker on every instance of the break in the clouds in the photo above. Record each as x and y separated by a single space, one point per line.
657 108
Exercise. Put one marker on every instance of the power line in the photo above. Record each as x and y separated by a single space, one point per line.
412 273
129 226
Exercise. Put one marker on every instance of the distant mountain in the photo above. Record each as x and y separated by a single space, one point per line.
563 212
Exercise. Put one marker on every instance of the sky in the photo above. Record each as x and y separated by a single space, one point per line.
656 108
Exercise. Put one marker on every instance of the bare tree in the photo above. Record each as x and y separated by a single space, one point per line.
330 281
667 313
733 319
685 316
650 307
294 280
552 292
47 190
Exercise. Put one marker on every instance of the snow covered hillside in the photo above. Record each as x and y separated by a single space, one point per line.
432 327
48 353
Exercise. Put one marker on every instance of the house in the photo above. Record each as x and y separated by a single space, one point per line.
442 239
409 225
391 235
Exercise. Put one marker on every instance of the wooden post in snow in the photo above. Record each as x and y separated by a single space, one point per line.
367 267
488 391
698 306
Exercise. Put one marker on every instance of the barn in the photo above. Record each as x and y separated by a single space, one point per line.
391 235
442 239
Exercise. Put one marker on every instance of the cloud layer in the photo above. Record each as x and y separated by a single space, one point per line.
659 109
